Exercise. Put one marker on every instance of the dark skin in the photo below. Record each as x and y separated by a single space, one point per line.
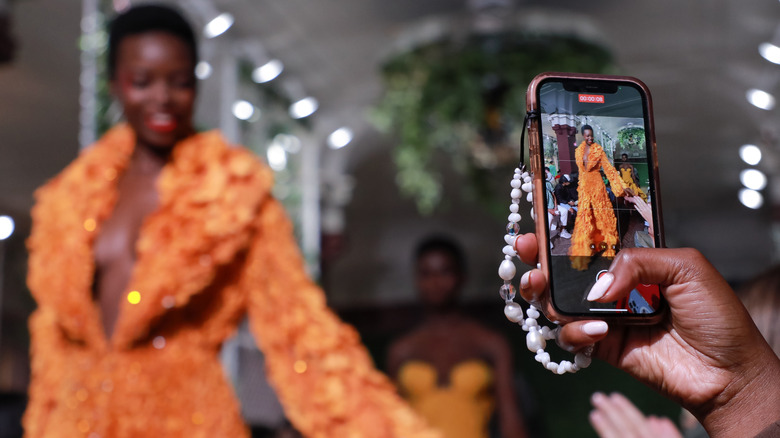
447 338
155 85
706 354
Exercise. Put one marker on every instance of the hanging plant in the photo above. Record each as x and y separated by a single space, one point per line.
466 98
631 138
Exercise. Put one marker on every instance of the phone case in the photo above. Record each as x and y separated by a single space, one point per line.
635 300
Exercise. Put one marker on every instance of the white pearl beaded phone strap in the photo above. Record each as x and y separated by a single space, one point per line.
537 337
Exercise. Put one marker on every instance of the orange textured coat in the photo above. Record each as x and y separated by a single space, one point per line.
218 246
596 227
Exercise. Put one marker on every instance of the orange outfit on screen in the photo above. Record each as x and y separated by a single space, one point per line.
596 227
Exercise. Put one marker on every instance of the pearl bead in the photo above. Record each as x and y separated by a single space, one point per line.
582 360
534 341
510 239
507 270
513 312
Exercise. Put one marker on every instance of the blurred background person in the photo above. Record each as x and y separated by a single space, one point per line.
454 371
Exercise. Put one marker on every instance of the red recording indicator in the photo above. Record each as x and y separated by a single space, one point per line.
592 98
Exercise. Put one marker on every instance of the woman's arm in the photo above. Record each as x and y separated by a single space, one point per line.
322 374
510 416
615 181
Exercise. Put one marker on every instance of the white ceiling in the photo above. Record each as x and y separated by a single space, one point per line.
697 57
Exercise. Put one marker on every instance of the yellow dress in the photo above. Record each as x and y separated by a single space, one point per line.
460 410
628 178
596 227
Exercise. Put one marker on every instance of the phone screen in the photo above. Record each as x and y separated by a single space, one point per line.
599 188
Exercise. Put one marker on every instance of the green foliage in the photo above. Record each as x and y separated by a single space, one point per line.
466 99
632 138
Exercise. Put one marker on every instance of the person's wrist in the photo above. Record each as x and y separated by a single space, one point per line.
750 403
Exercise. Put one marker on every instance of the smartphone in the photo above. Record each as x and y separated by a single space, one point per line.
596 189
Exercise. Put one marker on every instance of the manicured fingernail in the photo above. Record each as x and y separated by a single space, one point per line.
600 288
525 280
597 397
595 328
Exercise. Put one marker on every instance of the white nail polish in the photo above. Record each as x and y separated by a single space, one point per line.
525 280
595 328
600 288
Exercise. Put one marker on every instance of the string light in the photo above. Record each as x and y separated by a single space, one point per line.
751 198
303 108
760 99
203 70
753 179
770 52
219 25
268 71
243 110
750 154
340 138
277 157
6 227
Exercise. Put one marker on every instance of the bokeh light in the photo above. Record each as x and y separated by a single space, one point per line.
6 227
243 110
751 198
219 25
268 71
750 154
340 138
760 99
770 52
303 108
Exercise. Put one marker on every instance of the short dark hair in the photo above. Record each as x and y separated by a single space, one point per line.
585 128
443 244
148 18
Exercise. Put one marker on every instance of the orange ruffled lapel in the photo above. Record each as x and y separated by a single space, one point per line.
209 196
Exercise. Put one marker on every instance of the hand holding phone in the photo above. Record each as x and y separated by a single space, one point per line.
598 130
707 355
